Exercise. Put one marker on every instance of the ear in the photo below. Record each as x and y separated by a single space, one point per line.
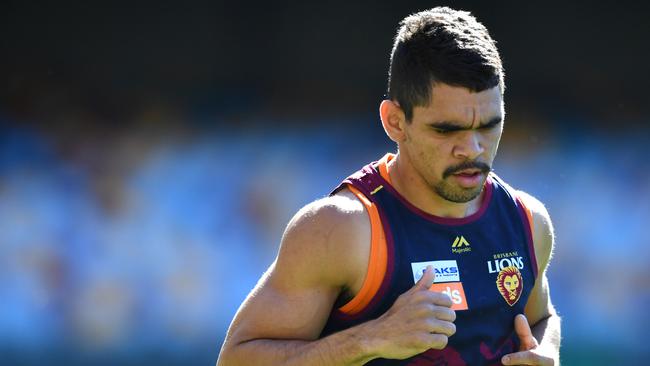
393 120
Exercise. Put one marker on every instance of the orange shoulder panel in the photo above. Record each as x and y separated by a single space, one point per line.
383 167
529 214
377 263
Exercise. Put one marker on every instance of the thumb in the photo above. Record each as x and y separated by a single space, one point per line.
426 280
524 333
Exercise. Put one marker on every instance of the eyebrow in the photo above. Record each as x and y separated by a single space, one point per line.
452 126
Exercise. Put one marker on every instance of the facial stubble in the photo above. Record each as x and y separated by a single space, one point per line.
454 193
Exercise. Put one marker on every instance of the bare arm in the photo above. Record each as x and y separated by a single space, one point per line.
324 249
541 333
292 341
281 319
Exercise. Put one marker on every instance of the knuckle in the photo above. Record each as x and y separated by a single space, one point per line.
448 302
423 341
432 325
447 328
420 342
440 327
423 296
444 313
425 310
452 329
452 315
439 341
442 299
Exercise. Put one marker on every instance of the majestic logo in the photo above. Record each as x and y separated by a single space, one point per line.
510 284
460 245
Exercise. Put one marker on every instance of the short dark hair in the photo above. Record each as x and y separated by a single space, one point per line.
441 45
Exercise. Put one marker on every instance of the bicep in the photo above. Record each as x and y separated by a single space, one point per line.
276 309
295 296
539 304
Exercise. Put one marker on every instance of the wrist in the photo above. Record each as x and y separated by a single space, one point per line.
368 340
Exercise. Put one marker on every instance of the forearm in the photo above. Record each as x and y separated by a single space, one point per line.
548 333
348 347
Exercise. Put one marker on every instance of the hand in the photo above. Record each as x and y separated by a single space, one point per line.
529 351
419 319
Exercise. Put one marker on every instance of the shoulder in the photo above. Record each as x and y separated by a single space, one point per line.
327 240
328 210
543 234
335 215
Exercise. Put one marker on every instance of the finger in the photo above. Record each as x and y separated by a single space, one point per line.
442 299
427 279
521 358
433 297
436 326
524 333
437 341
445 313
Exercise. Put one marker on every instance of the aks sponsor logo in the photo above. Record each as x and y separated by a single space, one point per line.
460 245
510 284
447 280
455 291
446 271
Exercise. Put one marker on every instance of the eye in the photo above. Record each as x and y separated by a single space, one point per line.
490 125
442 131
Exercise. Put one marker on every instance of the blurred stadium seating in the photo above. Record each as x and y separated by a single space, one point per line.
151 155
152 250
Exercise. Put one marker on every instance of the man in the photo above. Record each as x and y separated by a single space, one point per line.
425 257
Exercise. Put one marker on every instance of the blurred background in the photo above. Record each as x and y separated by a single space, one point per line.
151 154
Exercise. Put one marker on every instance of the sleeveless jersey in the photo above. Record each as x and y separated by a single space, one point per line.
485 262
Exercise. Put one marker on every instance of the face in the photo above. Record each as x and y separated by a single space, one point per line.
452 142
511 283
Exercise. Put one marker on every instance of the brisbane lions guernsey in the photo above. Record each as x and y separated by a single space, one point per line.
485 263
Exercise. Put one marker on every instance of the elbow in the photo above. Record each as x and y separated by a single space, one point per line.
234 353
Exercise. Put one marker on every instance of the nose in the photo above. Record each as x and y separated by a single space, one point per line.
469 146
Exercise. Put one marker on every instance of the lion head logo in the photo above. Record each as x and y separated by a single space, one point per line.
510 284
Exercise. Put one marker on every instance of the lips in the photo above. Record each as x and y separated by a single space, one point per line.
468 178
468 172
467 169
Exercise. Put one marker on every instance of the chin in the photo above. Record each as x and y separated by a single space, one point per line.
459 195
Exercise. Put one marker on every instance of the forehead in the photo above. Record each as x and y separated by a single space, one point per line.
459 104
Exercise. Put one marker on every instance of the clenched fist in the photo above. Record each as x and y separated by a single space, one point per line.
419 319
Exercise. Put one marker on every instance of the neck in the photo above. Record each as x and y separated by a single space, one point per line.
406 180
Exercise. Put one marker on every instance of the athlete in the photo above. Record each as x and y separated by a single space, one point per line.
424 257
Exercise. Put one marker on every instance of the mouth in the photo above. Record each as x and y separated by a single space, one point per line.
468 175
468 178
468 172
467 169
